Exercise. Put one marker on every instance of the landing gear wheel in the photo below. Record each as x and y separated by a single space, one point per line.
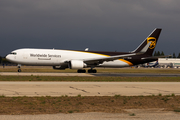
92 71
19 67
19 70
81 71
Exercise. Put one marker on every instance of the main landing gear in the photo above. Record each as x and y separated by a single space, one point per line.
81 71
92 71
19 67
89 71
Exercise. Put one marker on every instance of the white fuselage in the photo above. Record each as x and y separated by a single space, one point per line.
54 57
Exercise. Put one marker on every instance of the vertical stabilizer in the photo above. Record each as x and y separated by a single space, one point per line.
153 38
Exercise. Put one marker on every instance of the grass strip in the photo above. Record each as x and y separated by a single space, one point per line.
90 79
79 104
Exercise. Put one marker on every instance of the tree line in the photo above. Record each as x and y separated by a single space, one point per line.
158 53
3 60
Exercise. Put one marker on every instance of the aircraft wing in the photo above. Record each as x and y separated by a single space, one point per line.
111 58
96 61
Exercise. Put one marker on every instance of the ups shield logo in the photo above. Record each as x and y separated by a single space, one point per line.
153 42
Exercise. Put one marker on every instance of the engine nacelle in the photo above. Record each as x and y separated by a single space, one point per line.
76 64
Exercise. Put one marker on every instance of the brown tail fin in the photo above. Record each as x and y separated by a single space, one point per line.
153 38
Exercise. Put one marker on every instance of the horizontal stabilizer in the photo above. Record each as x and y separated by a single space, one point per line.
155 57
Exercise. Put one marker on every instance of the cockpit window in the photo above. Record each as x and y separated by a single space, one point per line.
13 53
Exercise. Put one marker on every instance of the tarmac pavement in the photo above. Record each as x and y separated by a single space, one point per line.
88 88
42 74
89 74
131 114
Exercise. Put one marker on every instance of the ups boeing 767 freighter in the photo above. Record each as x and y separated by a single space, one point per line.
73 59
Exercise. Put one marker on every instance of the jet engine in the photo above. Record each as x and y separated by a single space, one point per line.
76 64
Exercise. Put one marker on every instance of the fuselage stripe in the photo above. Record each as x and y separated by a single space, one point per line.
129 63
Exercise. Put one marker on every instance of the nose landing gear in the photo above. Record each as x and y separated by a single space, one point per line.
19 67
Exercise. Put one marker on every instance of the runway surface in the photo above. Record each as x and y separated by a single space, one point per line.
42 74
136 74
89 74
88 88
140 114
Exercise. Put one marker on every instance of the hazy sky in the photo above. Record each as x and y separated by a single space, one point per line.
104 25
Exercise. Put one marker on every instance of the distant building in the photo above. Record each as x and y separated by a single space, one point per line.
169 62
165 63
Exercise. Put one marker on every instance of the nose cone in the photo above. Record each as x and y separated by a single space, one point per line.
7 57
